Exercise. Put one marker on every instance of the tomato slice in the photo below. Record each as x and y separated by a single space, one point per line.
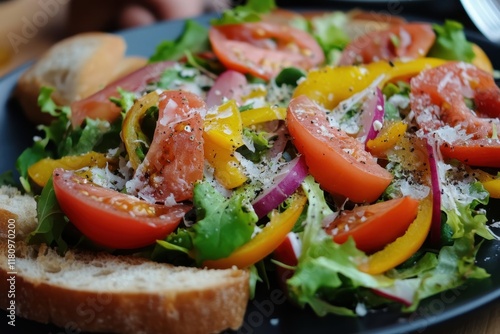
98 105
110 218
474 152
374 226
175 158
438 99
337 161
263 49
409 40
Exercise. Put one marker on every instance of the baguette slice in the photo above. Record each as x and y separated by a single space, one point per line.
100 292
76 67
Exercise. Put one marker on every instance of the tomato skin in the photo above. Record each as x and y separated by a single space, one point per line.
415 40
475 152
263 49
105 216
98 105
374 226
175 158
437 97
337 161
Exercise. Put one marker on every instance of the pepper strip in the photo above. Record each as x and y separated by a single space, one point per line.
329 85
405 246
264 243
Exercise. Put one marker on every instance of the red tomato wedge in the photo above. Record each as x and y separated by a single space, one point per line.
175 158
263 49
110 218
374 226
98 105
438 99
402 41
337 161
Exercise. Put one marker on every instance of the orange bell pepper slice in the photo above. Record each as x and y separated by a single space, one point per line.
405 246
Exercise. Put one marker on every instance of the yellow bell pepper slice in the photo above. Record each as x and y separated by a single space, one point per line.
405 246
227 169
490 183
41 171
264 243
481 60
224 127
387 138
262 115
329 85
132 135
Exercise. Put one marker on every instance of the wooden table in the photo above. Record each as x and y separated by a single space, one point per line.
485 320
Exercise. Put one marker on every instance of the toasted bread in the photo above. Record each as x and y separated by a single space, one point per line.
100 292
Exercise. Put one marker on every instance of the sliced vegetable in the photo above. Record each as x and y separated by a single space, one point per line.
337 161
267 240
285 184
136 142
263 49
438 98
387 138
175 158
408 40
262 115
414 154
41 171
330 85
474 152
372 117
110 218
374 226
228 86
402 291
435 232
99 106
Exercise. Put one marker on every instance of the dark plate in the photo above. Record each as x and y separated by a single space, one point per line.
269 313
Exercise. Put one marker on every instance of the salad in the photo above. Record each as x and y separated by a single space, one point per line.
353 165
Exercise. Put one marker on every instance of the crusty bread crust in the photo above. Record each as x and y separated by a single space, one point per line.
76 67
100 292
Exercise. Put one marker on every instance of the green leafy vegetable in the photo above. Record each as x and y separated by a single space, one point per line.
194 38
326 269
260 145
125 101
250 12
222 224
328 30
289 76
451 42
51 221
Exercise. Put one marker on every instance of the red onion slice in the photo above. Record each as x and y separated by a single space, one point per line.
229 85
372 117
403 291
284 185
435 232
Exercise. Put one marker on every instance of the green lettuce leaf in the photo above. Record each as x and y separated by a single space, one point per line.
250 12
223 224
51 221
326 269
328 30
194 38
451 43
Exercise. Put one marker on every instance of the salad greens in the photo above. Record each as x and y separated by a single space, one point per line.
328 277
451 42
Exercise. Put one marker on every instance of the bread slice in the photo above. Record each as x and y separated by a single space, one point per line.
100 292
76 67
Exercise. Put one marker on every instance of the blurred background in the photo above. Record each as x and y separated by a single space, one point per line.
28 27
